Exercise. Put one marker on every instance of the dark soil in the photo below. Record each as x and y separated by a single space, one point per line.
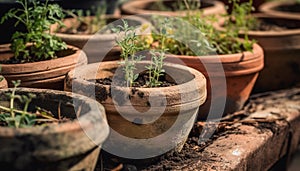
289 8
141 81
276 24
21 60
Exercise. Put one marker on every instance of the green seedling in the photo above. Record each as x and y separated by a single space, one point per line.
36 43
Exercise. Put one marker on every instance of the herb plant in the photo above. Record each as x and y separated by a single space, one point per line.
155 69
36 44
184 41
129 48
16 118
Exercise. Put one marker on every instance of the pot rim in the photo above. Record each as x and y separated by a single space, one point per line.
282 33
198 77
270 8
41 65
133 7
245 63
78 124
96 36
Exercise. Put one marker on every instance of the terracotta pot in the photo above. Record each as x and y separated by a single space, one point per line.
282 49
278 9
98 47
143 114
3 83
230 79
141 7
57 146
44 74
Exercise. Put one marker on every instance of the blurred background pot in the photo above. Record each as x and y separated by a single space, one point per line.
282 53
99 46
241 71
144 7
288 8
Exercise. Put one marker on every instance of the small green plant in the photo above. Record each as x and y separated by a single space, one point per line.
129 45
240 18
13 117
155 68
129 48
36 44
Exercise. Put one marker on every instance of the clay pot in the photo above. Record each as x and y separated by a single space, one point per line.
48 74
71 145
281 9
282 49
99 46
230 79
143 114
3 83
141 7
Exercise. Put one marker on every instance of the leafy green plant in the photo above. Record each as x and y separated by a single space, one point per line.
13 117
185 40
129 47
240 18
36 44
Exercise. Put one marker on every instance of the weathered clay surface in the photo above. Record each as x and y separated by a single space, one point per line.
71 145
149 112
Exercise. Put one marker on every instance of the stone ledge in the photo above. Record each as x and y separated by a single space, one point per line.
269 134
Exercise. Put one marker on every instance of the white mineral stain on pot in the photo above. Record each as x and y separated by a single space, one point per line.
236 152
